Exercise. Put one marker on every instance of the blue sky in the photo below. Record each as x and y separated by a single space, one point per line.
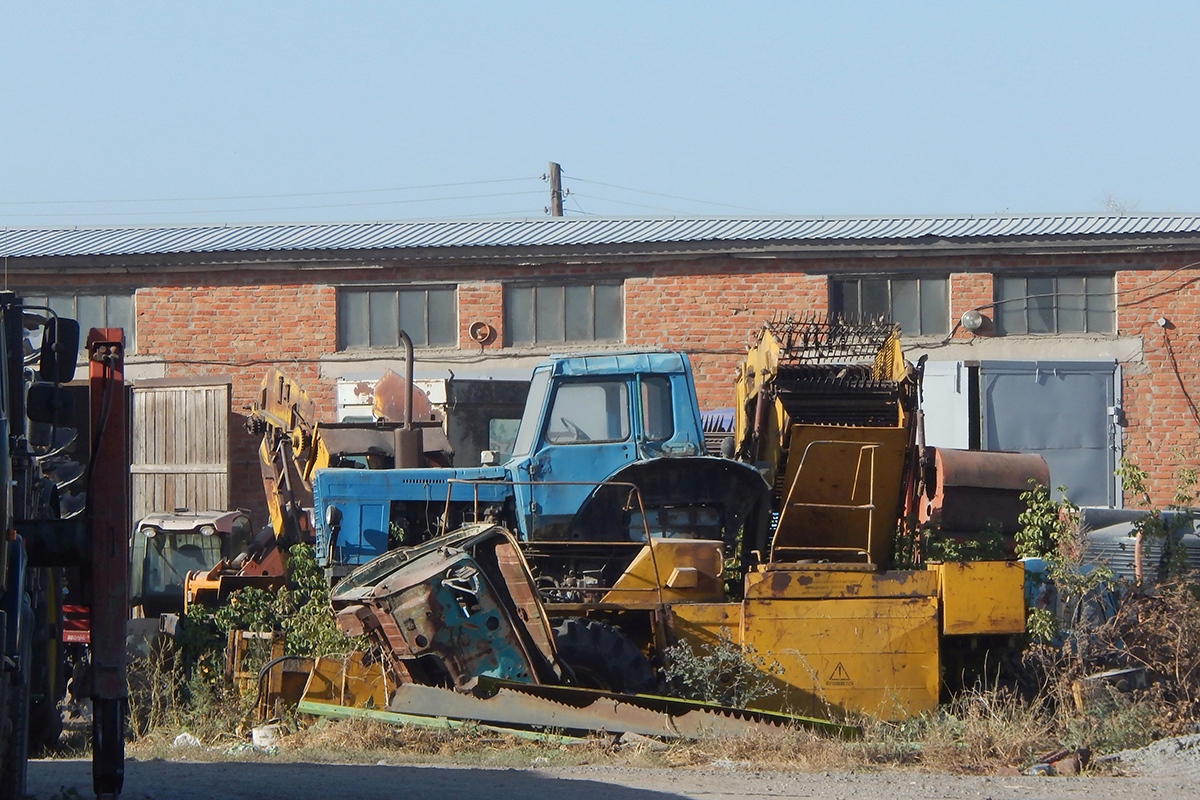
129 113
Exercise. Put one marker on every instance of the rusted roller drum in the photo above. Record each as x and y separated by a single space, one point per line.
969 487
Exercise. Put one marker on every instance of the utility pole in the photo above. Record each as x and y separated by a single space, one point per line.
556 193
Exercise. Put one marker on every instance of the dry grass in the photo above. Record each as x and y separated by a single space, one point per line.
978 734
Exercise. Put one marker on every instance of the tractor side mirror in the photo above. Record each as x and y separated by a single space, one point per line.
60 349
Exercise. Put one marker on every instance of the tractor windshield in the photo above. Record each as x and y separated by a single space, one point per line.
527 431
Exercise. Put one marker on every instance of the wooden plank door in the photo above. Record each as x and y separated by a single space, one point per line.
180 448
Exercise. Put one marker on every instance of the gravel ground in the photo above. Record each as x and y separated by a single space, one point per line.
260 780
1176 758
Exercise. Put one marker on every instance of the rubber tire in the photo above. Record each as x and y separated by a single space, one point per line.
601 657
14 762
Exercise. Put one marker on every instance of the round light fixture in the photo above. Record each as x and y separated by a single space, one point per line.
972 320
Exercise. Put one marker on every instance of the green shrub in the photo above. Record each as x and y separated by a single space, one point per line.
725 673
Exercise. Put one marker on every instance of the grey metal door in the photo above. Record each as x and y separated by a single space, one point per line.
1065 411
180 448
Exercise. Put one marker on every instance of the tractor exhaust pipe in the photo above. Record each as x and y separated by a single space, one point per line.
409 441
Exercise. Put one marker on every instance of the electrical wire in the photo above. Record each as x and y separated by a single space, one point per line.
626 203
662 194
265 196
278 208
578 207
1187 397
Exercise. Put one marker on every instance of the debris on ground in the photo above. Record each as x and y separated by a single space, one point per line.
186 740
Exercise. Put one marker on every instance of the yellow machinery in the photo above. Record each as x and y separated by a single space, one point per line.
828 412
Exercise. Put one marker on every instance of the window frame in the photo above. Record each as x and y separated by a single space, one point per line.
1005 306
365 335
836 290
562 286
43 296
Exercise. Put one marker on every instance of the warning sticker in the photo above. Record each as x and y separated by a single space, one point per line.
839 676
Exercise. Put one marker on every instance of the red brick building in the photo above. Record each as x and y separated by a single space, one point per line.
1086 348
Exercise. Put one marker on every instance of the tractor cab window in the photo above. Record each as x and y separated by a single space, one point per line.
658 418
589 412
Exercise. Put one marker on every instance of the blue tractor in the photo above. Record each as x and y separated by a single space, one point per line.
610 450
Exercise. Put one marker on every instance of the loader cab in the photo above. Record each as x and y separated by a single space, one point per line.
164 548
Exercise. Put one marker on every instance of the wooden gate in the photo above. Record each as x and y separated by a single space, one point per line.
180 447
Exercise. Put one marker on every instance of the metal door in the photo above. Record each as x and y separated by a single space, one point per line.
946 400
588 436
180 448
1066 411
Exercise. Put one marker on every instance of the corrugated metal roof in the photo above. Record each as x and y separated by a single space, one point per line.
566 232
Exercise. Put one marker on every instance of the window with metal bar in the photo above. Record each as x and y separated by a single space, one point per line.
920 306
99 310
373 318
1037 304
566 312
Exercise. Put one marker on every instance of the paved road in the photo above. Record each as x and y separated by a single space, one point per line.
172 780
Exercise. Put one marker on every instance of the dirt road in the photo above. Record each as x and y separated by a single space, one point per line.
173 780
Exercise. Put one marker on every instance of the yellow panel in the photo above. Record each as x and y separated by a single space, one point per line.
876 656
703 623
831 481
815 582
981 597
349 682
638 588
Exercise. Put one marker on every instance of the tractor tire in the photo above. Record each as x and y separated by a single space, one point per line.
601 657
14 761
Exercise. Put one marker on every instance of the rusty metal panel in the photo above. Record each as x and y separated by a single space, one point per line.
814 582
572 709
180 448
877 656
981 597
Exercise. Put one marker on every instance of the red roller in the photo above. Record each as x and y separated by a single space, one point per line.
970 487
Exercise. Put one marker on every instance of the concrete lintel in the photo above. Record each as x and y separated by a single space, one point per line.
1123 349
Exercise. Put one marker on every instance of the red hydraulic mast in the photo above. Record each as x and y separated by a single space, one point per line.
108 524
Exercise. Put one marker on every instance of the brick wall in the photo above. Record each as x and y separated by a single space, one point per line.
239 322
1161 394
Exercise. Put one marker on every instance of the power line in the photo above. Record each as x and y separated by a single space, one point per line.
276 208
265 196
670 196
626 203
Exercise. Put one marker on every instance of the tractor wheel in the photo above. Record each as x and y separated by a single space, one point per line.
601 657
14 761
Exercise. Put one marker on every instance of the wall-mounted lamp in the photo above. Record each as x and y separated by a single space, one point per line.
972 320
